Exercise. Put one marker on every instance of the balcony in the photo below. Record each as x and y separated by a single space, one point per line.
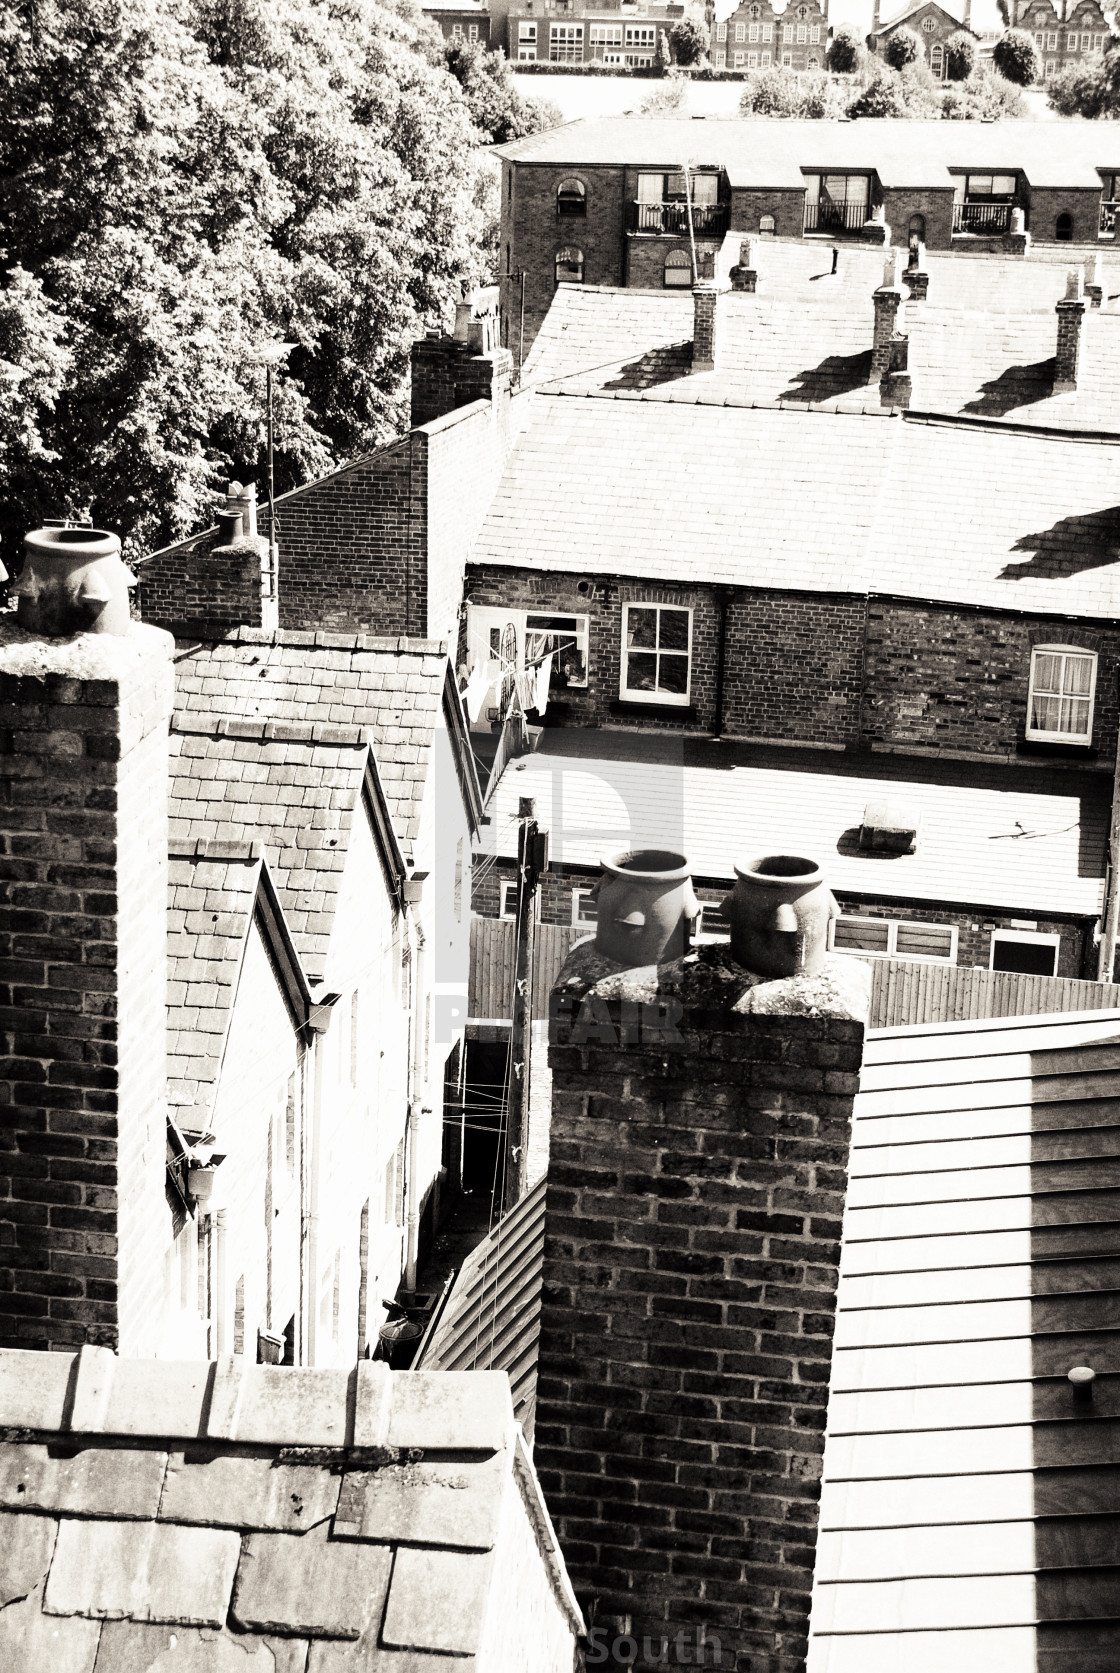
981 220
1107 228
709 220
832 218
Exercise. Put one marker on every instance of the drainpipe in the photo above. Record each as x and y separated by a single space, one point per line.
723 599
413 890
1110 916
221 1300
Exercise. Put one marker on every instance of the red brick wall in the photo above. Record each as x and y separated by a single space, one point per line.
787 208
83 985
937 207
695 1195
533 231
1047 204
195 588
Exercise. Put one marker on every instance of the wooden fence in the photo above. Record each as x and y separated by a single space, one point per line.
901 993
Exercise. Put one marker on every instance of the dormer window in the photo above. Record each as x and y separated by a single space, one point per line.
1060 701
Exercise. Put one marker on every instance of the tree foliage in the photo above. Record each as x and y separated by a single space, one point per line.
1087 89
688 41
782 92
845 55
187 182
902 48
669 96
662 58
960 56
1016 57
883 95
498 109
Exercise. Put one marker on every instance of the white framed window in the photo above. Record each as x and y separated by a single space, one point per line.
507 900
713 925
1062 689
641 34
526 31
767 32
1051 66
787 59
606 34
656 653
584 907
456 31
721 31
752 60
1098 43
764 60
678 270
472 31
894 938
815 34
569 266
1052 41
1024 950
813 62
740 31
565 44
787 32
802 34
929 24
753 30
721 60
526 53
740 60
571 198
1071 43
563 637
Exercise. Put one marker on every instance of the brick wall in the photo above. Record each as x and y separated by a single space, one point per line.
1046 204
787 208
935 206
83 834
378 546
532 232
695 1195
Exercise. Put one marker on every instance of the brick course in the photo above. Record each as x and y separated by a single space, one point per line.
695 1196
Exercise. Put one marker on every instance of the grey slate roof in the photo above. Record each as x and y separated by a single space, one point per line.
968 1515
761 153
390 690
209 1516
973 513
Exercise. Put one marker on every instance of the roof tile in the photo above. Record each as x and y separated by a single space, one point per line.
215 1489
98 1481
310 1584
462 1584
150 1570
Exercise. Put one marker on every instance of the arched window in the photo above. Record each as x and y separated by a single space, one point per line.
571 198
766 224
917 228
1063 228
678 270
936 61
569 266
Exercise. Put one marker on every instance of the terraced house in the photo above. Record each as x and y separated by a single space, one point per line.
1070 33
756 36
645 203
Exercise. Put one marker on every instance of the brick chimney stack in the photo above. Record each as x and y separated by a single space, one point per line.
87 696
888 300
706 295
699 1152
1071 312
451 372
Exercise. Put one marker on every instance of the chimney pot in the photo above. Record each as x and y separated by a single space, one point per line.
1070 311
647 890
229 526
779 911
73 581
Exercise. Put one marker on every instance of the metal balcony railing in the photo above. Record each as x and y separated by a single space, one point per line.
709 220
983 220
835 217
1109 210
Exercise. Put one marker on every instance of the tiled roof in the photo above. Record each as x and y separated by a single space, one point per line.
760 153
391 691
871 492
1009 849
294 796
968 1515
220 1515
491 1320
210 906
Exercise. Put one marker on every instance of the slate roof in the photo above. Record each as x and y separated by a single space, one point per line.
761 153
491 1320
239 781
1007 849
390 690
885 504
220 1515
968 1515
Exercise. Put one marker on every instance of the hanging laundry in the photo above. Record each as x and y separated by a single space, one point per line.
478 684
543 676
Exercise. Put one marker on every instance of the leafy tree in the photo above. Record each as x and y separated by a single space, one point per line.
983 97
662 58
960 56
187 182
1087 89
1016 57
883 95
499 110
845 54
902 48
688 41
782 92
668 97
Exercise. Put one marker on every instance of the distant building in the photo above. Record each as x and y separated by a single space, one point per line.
932 24
460 20
619 32
758 36
1073 32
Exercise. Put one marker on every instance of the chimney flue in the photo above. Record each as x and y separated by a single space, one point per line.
705 325
1071 312
73 581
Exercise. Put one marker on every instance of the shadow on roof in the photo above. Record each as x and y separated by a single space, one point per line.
664 364
839 374
1069 547
1017 386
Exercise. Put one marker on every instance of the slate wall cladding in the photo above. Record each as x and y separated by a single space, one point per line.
532 232
695 1195
83 834
822 668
